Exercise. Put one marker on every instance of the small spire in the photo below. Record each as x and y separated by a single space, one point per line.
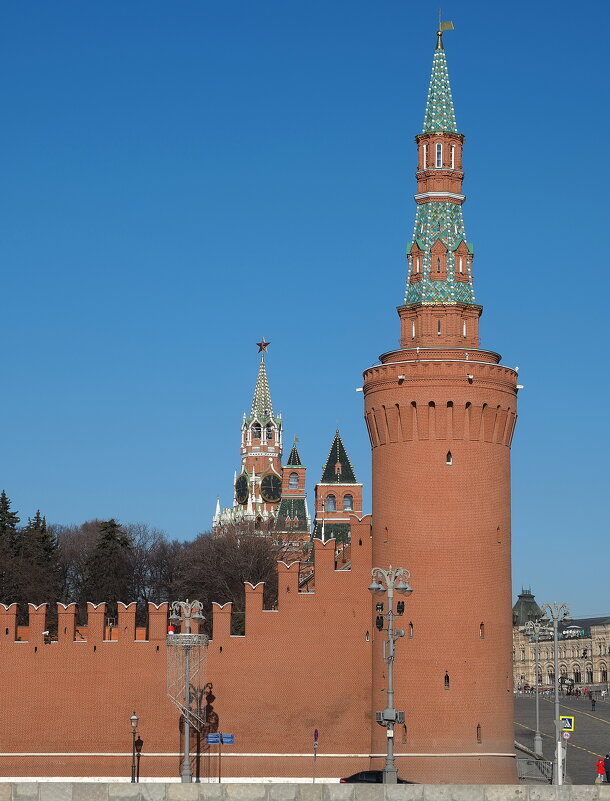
338 468
294 460
262 408
440 114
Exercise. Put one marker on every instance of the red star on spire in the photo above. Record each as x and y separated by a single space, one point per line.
262 345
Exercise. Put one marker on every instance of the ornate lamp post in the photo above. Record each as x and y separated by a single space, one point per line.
557 613
533 629
184 612
134 725
389 581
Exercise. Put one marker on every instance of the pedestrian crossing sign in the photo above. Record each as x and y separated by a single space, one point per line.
566 722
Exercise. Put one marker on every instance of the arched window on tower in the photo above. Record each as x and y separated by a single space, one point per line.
438 265
453 157
446 681
293 481
256 431
269 429
425 156
449 459
348 503
439 154
331 503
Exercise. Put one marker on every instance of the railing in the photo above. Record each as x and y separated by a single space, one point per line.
535 770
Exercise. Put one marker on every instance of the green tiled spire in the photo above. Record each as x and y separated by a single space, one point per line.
442 221
338 468
294 460
261 402
440 115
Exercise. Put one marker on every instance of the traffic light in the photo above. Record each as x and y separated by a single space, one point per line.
400 608
379 622
379 607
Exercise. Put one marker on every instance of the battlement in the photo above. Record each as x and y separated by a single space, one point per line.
96 630
330 575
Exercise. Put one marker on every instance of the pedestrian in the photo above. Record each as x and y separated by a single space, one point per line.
601 769
592 703
607 767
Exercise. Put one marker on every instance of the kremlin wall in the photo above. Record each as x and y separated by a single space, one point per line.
440 413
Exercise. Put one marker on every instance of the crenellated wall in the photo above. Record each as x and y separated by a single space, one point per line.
305 665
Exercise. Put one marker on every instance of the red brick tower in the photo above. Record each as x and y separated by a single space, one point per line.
440 414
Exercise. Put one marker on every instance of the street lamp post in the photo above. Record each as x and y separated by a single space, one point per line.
557 613
134 726
388 581
185 611
533 629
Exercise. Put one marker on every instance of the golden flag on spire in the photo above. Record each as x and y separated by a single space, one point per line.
447 26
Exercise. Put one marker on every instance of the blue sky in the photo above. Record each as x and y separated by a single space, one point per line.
180 179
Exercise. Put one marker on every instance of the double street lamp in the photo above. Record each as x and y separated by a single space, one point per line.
184 612
557 612
533 628
389 581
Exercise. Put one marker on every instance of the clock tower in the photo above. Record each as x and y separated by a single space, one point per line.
264 498
440 413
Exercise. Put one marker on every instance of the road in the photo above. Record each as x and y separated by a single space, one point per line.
590 738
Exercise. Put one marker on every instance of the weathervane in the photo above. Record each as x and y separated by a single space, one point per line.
442 26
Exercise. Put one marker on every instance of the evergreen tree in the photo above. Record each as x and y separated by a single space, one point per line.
109 575
37 562
8 521
8 541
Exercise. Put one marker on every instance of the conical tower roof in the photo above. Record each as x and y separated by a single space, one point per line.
262 408
338 468
294 460
440 114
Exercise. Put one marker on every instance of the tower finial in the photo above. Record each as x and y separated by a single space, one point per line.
442 26
262 345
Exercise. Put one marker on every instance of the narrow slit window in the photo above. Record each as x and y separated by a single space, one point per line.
412 330
425 156
446 681
482 631
453 157
438 264
411 631
479 735
449 459
439 154
417 264
438 328
461 263
464 328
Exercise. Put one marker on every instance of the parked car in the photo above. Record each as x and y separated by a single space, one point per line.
370 776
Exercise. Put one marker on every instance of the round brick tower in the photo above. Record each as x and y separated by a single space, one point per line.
440 414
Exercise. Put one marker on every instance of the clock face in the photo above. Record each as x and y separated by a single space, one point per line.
271 488
241 489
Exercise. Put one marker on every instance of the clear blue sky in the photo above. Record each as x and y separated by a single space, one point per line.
180 179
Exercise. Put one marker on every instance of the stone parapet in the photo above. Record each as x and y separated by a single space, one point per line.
271 791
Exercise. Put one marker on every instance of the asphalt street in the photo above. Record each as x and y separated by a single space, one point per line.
589 740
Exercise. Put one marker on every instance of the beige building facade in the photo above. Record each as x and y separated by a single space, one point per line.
583 649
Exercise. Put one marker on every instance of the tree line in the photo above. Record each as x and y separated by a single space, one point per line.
104 561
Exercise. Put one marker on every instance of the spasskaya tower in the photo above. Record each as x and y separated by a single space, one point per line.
440 413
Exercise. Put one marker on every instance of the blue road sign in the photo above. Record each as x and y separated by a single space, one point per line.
212 739
228 739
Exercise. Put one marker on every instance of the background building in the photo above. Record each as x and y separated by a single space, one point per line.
584 649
